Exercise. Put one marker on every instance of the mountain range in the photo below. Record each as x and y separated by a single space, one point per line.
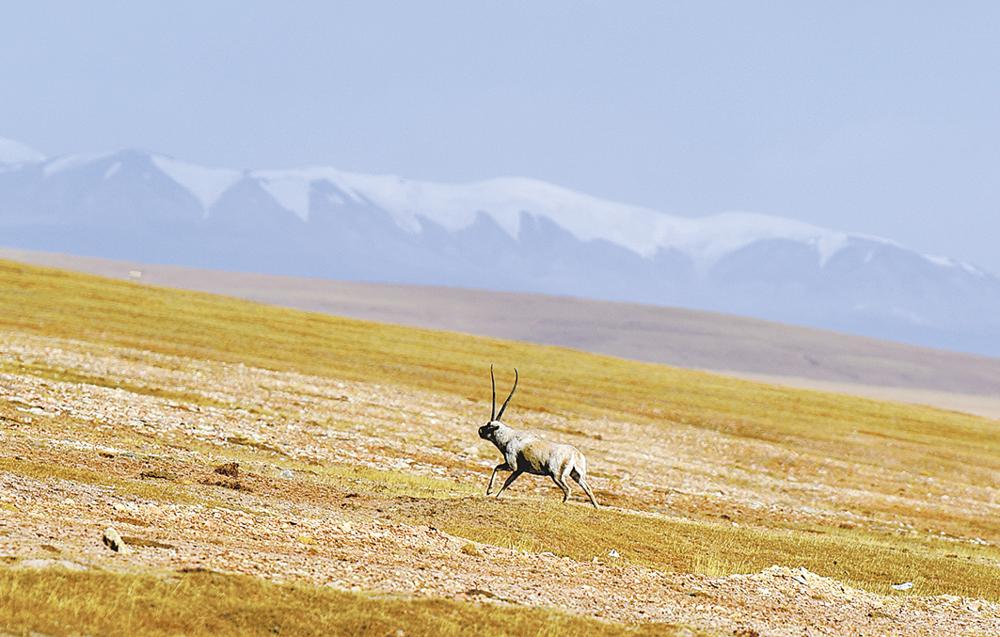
512 234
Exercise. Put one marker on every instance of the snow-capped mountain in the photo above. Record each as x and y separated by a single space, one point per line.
510 234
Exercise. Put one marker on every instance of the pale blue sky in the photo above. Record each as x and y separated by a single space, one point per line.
876 117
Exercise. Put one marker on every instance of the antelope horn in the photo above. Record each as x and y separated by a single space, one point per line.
493 416
500 415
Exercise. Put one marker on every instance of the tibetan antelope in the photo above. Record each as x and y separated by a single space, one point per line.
525 452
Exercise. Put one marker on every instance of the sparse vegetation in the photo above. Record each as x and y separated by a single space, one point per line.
751 458
57 602
858 559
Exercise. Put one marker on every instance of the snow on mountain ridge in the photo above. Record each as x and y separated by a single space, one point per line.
291 188
948 262
455 206
641 230
12 152
206 184
69 162
505 200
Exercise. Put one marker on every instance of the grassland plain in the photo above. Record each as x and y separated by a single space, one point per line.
357 506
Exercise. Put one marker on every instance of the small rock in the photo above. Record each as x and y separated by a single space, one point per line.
288 474
479 592
45 563
157 475
228 483
231 469
470 549
114 541
905 586
346 527
613 553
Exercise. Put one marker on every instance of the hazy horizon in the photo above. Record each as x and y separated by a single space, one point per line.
875 119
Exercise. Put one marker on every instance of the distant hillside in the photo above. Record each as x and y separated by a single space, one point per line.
702 340
510 234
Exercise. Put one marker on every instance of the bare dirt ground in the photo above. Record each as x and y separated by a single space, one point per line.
776 353
80 455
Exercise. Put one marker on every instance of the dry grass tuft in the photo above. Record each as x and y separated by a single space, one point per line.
55 602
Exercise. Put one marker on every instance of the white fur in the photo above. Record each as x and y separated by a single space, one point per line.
525 452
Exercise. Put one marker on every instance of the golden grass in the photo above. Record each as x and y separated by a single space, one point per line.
57 602
855 558
380 482
951 447
954 449
713 548
63 304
